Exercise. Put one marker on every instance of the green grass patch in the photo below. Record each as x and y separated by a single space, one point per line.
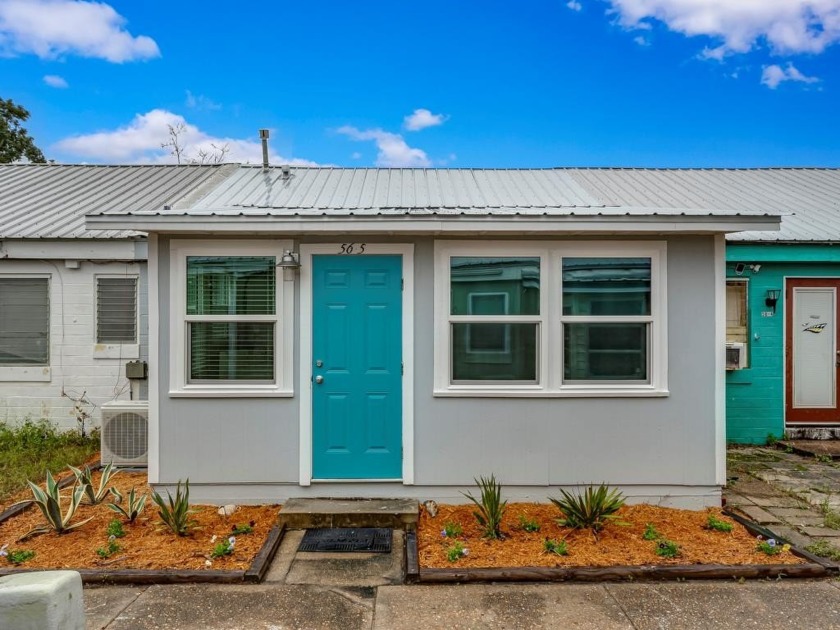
28 450
824 549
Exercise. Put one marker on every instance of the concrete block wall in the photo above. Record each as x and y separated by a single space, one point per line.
755 403
76 365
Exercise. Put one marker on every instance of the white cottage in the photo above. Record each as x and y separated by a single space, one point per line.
397 332
73 308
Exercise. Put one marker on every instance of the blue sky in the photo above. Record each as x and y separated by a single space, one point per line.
443 83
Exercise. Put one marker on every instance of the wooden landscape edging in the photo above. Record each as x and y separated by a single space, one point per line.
253 574
815 568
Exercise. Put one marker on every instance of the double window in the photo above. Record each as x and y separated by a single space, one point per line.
233 336
24 321
550 318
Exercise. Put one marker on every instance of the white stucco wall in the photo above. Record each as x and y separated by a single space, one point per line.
74 367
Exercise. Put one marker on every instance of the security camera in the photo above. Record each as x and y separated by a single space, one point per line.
739 268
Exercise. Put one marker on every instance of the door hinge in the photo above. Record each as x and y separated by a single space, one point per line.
402 284
402 369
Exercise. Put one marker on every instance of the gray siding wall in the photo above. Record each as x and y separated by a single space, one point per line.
666 441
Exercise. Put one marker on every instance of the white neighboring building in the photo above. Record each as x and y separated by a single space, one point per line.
73 303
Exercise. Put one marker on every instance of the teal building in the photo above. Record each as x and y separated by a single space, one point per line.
782 295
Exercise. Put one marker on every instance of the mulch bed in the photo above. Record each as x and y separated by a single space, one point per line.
618 553
147 547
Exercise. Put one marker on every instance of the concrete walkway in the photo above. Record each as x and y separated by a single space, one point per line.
686 606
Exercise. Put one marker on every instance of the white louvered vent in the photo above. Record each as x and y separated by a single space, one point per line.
116 310
125 427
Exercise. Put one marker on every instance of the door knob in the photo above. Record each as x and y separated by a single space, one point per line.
319 379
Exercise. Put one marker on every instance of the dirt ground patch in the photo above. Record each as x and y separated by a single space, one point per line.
619 544
147 544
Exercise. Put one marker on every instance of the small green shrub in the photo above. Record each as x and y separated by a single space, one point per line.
650 532
224 548
769 547
456 552
115 529
175 512
718 525
451 530
772 440
528 524
667 549
557 547
245 528
824 459
48 501
111 549
590 510
16 556
133 508
491 508
84 477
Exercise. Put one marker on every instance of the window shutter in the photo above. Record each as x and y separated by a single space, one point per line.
116 310
24 321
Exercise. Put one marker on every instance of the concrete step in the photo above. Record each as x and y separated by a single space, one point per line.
318 513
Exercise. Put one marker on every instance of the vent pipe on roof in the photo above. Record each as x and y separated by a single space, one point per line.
264 138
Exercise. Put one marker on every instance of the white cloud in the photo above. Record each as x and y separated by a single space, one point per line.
53 28
356 155
53 80
422 118
393 149
574 5
786 26
773 75
140 142
641 41
201 102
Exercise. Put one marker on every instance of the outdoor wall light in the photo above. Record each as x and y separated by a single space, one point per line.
771 298
290 261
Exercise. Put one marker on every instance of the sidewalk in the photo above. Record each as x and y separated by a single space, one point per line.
790 605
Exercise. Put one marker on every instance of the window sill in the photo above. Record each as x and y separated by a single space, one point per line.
220 391
24 374
116 351
566 392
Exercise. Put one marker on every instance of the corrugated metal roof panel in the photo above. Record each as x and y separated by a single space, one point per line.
51 200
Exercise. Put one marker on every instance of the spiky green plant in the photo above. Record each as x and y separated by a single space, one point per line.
48 501
84 477
591 509
491 508
175 513
134 507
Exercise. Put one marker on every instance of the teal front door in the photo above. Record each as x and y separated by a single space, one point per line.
357 367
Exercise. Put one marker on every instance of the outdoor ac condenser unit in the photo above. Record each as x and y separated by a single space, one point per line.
736 356
125 433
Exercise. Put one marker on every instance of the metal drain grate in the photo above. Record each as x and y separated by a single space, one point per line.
364 539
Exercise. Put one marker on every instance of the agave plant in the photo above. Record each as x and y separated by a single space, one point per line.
84 478
589 510
134 507
49 502
491 508
175 513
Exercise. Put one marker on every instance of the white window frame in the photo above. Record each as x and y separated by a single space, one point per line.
33 373
116 350
179 385
550 320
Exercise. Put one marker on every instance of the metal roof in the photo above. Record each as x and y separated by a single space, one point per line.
51 200
316 191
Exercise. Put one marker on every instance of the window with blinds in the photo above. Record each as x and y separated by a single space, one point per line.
24 321
116 310
231 318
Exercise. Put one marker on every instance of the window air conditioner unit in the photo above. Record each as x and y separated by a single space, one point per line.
736 356
125 433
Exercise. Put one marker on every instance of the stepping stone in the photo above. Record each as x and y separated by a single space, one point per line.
759 515
823 532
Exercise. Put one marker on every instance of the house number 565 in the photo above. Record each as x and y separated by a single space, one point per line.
352 248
